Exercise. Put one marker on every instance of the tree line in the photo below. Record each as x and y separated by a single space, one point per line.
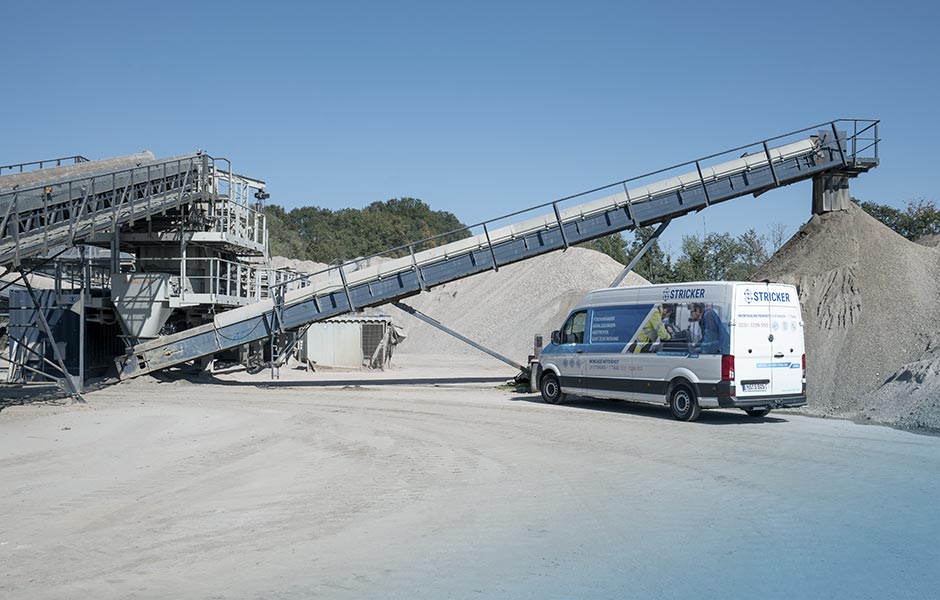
324 235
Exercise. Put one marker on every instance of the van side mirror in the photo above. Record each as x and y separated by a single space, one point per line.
556 337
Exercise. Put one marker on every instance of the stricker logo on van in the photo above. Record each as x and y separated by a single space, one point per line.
760 296
683 294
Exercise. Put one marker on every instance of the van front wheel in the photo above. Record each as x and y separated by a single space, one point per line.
683 404
551 389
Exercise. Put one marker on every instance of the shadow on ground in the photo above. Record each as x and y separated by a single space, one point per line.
34 393
170 377
653 411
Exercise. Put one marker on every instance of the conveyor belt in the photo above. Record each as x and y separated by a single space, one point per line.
341 290
63 205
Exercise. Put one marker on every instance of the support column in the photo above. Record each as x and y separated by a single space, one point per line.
830 193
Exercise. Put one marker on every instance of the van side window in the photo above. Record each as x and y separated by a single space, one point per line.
573 331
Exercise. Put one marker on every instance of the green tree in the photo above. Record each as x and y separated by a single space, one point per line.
919 218
612 245
655 265
324 235
283 239
719 256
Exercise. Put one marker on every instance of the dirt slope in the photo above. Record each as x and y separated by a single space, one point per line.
870 305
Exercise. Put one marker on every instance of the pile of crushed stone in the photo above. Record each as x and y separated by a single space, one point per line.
304 266
872 319
505 309
932 240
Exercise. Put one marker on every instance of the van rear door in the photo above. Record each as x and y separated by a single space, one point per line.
786 327
751 341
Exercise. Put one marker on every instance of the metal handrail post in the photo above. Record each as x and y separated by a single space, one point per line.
628 207
6 217
561 226
489 243
342 277
855 140
838 143
770 163
16 233
417 269
701 178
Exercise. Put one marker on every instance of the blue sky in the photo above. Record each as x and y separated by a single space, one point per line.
480 108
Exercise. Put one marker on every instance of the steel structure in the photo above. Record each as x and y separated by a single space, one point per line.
170 243
842 148
171 255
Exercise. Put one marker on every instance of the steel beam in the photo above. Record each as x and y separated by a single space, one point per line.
649 243
438 325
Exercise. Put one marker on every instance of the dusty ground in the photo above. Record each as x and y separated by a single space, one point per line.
388 485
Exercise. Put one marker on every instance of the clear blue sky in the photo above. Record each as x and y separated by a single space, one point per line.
481 108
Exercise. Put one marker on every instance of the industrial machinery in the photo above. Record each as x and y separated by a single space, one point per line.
185 242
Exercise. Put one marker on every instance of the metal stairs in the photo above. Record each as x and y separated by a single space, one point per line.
846 146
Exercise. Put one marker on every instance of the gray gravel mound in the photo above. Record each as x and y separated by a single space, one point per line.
909 399
505 309
870 309
932 240
304 266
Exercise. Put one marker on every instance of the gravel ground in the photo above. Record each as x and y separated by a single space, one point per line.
427 482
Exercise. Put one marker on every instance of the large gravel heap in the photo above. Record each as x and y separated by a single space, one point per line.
505 309
871 307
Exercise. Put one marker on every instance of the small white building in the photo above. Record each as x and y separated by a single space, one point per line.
351 341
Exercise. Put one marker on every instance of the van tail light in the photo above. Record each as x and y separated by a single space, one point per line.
727 367
804 374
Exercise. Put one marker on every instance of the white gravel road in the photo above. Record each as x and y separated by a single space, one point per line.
388 485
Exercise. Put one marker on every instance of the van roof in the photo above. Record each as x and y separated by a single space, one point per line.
687 283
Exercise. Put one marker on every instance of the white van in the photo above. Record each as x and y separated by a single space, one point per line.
689 345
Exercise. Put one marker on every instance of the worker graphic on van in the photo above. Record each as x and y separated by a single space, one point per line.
658 327
715 336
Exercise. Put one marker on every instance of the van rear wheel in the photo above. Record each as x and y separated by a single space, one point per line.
551 389
683 404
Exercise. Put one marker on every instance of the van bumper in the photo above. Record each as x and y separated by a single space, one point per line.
788 401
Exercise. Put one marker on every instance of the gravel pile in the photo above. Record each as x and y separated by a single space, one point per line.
304 266
872 319
505 309
932 240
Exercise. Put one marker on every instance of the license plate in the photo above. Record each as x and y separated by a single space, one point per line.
754 387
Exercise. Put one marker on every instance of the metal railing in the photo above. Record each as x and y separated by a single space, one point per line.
63 211
227 282
232 210
42 164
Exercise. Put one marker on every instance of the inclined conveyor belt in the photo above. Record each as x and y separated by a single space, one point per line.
341 289
64 205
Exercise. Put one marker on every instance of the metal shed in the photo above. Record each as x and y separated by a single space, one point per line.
352 341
